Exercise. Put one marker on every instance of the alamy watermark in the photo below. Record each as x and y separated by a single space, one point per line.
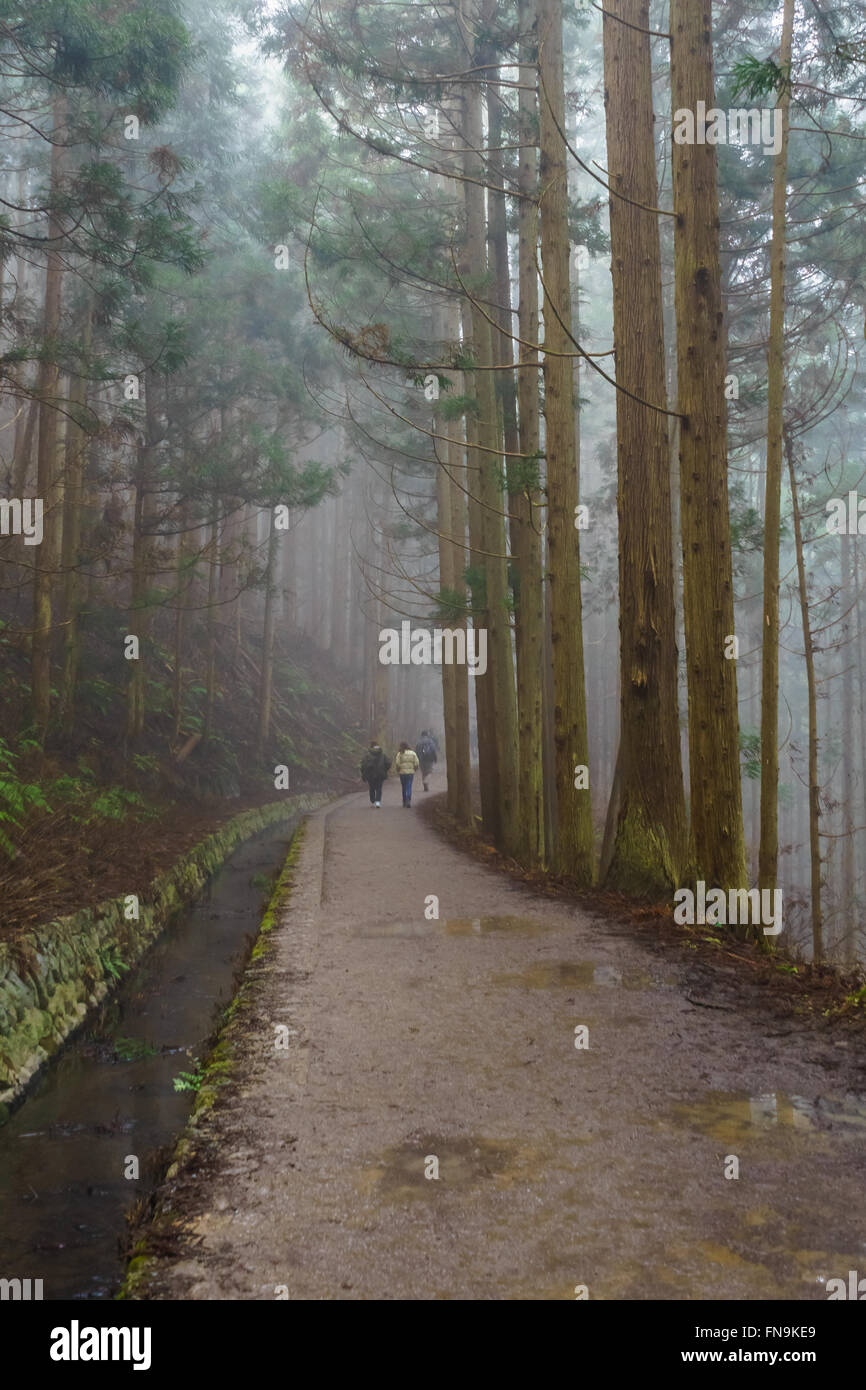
20 1290
755 126
856 1289
77 1343
22 517
846 518
422 646
736 907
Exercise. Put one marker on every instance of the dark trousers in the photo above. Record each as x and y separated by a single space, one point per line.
406 783
376 790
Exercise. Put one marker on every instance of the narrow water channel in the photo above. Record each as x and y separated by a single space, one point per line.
110 1095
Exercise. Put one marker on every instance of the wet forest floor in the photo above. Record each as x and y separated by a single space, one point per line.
786 984
522 1098
61 867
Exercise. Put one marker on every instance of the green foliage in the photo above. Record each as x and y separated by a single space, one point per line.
17 798
160 697
750 753
145 762
755 78
747 530
455 407
113 803
451 606
88 806
189 1080
523 475
850 51
584 228
138 53
475 577
98 694
112 963
67 788
133 1049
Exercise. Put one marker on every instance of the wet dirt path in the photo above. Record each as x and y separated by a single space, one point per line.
412 1040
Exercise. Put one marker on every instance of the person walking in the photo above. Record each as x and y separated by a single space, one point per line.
374 770
406 764
427 755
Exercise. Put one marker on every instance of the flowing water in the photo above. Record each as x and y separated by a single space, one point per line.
109 1098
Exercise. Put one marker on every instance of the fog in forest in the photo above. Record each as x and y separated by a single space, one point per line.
280 353
454 409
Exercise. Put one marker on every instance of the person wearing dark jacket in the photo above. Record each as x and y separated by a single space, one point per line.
426 751
374 770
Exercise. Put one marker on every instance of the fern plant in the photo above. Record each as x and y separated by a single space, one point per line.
189 1080
17 798
113 964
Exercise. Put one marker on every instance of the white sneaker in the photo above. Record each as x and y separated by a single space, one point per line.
378 803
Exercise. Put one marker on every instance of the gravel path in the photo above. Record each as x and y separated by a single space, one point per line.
416 1041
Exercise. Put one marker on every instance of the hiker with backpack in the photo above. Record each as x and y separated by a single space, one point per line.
426 750
374 770
406 764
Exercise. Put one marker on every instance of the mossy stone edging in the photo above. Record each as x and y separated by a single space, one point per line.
53 975
216 1073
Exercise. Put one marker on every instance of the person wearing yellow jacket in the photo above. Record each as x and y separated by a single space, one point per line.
406 764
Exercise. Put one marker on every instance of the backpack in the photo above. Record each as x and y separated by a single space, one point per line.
426 749
374 765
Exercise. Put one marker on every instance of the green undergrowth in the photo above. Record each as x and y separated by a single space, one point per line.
90 777
75 794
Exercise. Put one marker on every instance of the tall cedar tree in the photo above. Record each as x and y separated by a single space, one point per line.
769 846
650 845
573 853
708 594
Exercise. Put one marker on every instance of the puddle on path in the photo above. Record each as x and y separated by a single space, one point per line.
735 1116
767 1253
456 926
401 1172
574 975
398 929
480 926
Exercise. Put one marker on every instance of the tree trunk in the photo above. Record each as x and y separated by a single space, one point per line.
525 496
861 712
849 745
814 787
142 560
48 379
73 505
213 577
574 844
708 597
460 802
23 454
494 691
447 582
267 681
182 584
649 853
768 853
